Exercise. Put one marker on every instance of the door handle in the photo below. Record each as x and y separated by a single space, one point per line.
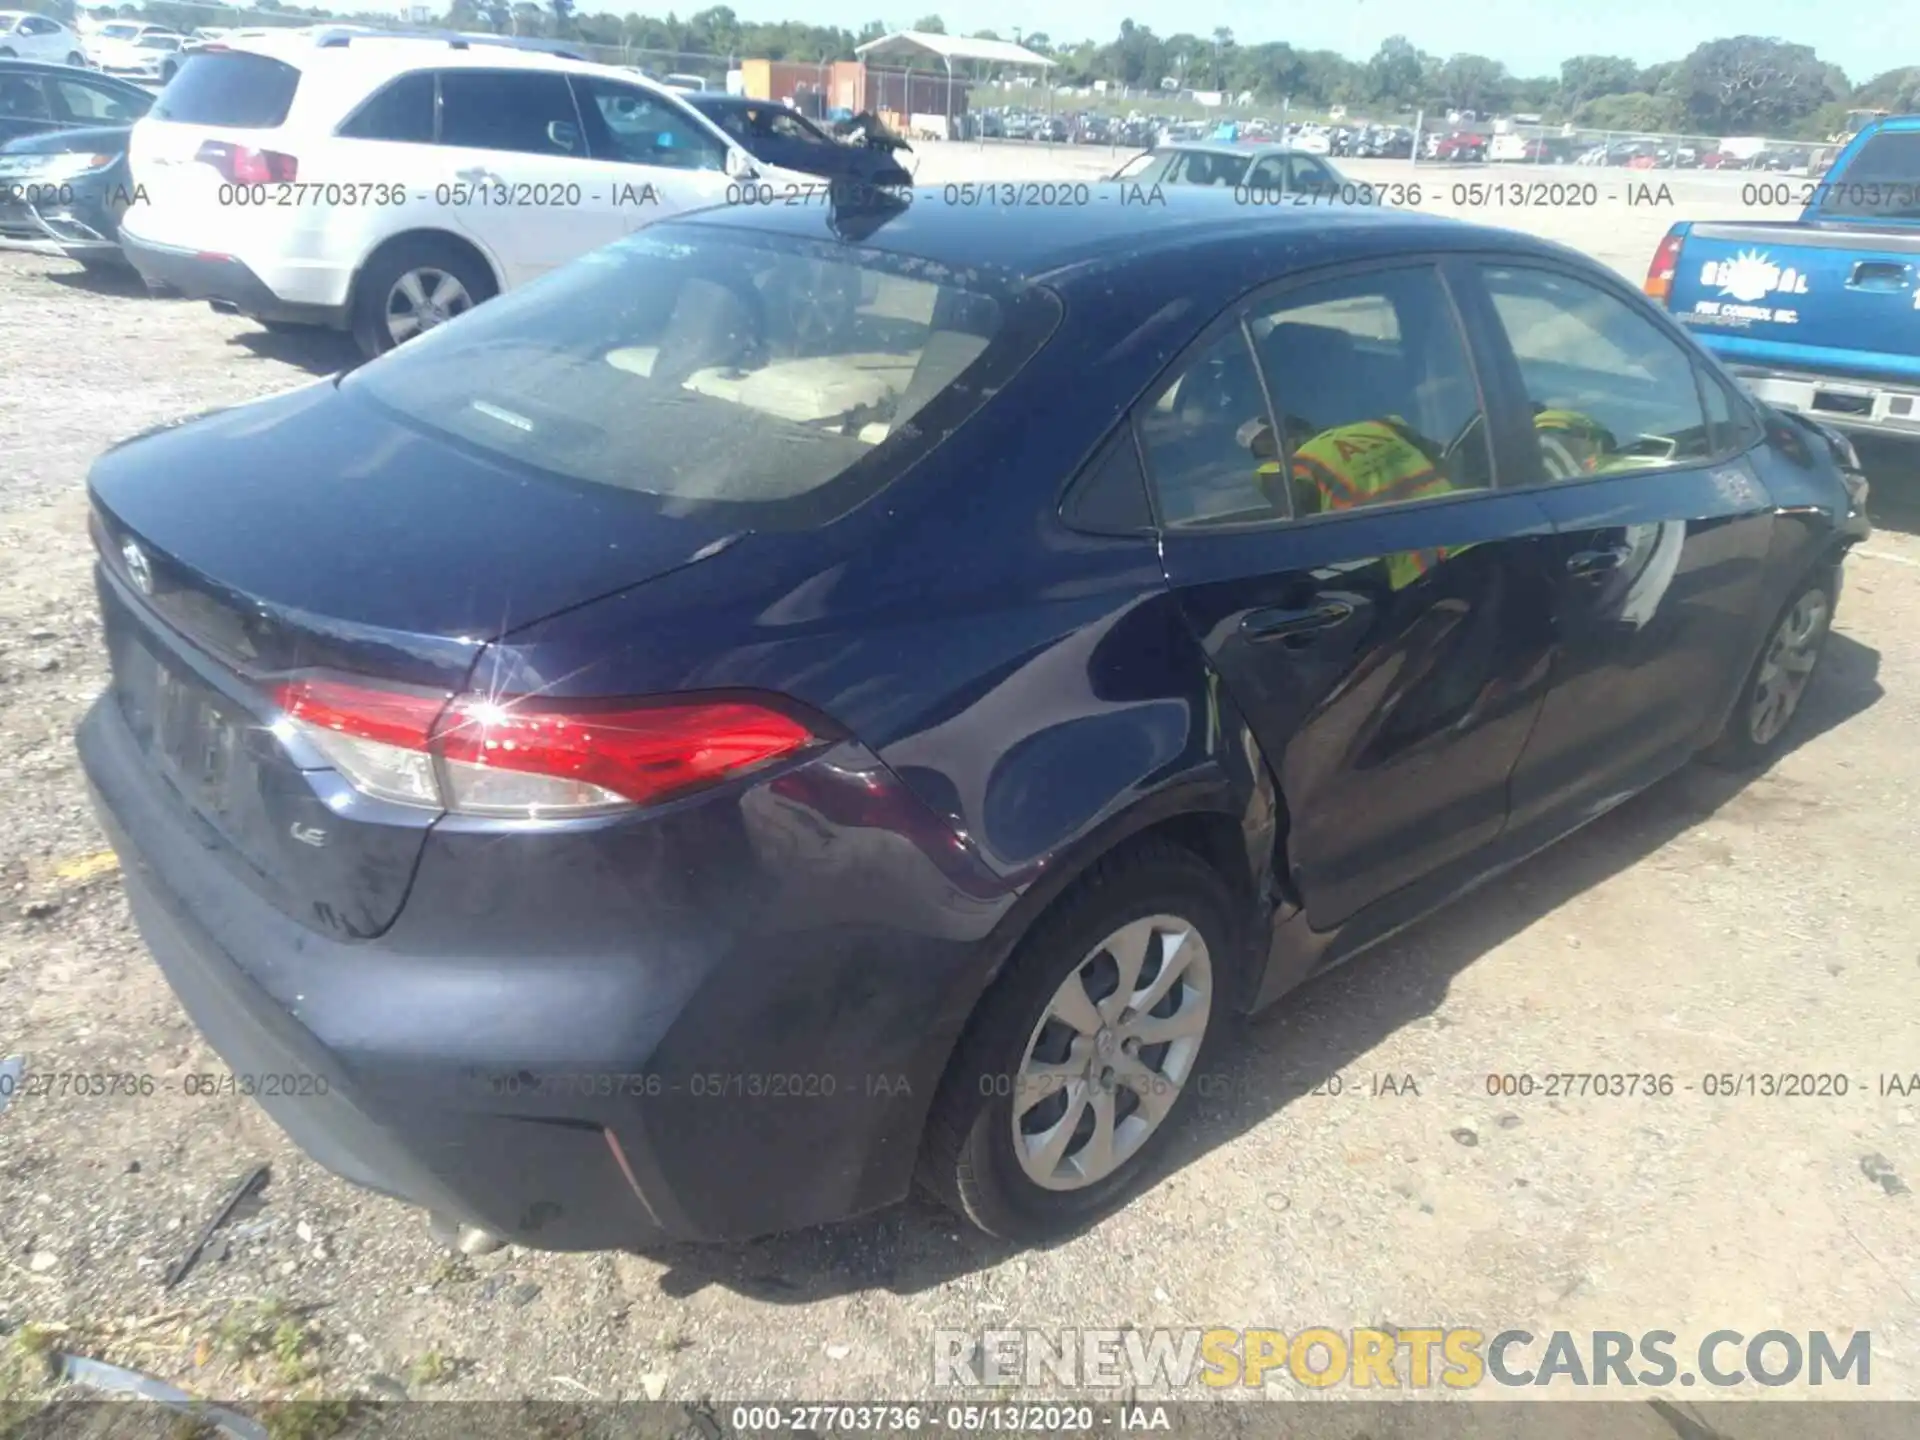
1288 625
1598 562
1887 275
478 175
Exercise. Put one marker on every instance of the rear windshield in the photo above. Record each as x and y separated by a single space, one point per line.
229 88
784 378
1881 181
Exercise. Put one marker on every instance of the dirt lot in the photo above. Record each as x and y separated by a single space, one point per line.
1709 926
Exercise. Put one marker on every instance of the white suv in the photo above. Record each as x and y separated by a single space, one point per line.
385 184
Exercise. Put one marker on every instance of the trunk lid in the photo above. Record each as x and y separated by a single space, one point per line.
313 531
1829 297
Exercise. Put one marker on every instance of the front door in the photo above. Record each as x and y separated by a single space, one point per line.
1637 454
1381 614
653 159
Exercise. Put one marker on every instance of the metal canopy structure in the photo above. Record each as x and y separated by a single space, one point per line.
911 45
905 47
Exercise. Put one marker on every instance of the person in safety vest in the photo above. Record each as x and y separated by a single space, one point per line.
1365 463
1572 443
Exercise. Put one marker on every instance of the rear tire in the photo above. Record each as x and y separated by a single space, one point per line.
77 60
1763 716
1099 1090
429 279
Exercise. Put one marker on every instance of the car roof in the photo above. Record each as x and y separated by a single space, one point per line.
342 74
1112 232
1224 147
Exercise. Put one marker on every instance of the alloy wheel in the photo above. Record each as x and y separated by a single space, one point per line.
1787 665
1111 1052
423 298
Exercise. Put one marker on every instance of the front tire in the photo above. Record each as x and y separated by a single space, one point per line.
1756 731
1079 1062
414 286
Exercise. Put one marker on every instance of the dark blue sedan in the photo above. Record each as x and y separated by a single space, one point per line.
806 699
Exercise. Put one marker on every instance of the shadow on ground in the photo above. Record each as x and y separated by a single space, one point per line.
1308 1039
318 352
1893 470
120 280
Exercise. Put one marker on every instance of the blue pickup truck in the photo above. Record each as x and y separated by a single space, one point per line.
1819 315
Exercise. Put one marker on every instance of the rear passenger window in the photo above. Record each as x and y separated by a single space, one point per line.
527 112
1610 390
1732 422
403 111
1375 394
91 104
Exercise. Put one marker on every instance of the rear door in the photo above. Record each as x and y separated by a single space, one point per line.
1636 451
1389 650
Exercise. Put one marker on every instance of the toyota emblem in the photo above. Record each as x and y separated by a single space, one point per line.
138 570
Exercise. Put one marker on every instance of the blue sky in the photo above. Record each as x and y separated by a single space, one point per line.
1531 36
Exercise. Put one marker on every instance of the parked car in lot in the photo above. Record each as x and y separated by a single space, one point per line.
65 184
1459 148
568 744
154 58
39 99
1530 149
1265 170
1815 315
385 184
121 46
788 141
25 35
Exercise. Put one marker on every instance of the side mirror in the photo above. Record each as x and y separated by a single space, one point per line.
565 134
740 166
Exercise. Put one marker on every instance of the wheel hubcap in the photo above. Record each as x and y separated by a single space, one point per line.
422 299
1787 666
1111 1052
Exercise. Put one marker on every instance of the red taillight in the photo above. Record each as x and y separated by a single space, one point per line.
1666 263
386 717
639 754
246 166
530 758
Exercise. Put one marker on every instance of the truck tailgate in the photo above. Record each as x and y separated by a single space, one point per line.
1831 299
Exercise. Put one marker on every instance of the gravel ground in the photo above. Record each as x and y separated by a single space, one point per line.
1708 926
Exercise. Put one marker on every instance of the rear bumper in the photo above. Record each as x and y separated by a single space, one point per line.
225 281
743 1045
1878 407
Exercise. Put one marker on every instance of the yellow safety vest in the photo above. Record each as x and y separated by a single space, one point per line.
1368 463
1580 439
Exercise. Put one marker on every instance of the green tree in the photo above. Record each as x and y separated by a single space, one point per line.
1473 82
1588 77
1748 84
930 25
1638 111
1395 73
